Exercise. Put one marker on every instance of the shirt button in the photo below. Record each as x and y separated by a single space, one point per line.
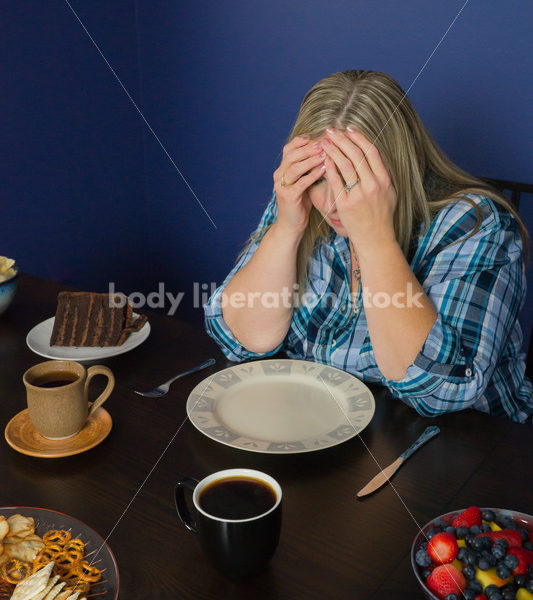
468 372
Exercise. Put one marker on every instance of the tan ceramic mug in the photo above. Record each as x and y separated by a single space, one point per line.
57 392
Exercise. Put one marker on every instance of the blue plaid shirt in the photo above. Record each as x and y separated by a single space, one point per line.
472 354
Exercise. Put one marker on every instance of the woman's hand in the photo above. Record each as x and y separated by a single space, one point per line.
301 166
367 210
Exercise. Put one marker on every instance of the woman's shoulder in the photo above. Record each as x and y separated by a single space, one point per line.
468 214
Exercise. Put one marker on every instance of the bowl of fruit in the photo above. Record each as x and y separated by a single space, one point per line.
475 554
8 282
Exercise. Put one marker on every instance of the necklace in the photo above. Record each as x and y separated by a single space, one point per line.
357 271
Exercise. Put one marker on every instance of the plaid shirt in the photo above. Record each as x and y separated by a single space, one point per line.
471 356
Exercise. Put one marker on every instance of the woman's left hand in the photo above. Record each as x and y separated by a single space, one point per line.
366 211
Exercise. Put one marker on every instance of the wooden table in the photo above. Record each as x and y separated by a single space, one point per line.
332 546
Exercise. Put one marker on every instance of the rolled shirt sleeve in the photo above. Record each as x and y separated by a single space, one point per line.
477 285
215 325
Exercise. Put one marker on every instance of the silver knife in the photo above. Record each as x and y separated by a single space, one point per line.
382 477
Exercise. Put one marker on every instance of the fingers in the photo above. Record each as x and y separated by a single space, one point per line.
344 164
295 171
309 178
299 156
371 154
360 167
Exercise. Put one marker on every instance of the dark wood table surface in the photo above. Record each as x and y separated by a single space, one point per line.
332 545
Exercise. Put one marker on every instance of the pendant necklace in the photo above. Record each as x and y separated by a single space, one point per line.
357 271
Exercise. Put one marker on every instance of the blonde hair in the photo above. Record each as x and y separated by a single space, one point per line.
425 180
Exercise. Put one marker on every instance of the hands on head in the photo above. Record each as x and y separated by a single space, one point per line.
319 172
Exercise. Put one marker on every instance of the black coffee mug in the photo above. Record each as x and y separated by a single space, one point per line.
237 541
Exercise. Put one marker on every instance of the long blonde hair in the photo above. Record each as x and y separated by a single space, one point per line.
425 180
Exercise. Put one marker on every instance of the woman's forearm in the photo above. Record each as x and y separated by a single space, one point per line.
398 312
258 301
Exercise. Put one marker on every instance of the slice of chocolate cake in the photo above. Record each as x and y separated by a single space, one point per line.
90 319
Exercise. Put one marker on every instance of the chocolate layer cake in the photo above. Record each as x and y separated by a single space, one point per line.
89 319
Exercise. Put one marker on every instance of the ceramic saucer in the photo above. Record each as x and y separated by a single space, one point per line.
22 436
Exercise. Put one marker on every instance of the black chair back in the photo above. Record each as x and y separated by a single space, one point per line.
514 191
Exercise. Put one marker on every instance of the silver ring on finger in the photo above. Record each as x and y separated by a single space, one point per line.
349 186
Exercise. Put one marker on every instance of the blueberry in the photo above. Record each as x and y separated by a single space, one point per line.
530 571
469 572
462 532
461 554
475 529
426 573
520 580
508 592
503 571
431 532
469 594
511 561
498 551
486 542
529 586
422 558
452 597
451 529
485 528
440 524
493 592
470 557
476 586
488 515
503 543
483 564
528 545
524 534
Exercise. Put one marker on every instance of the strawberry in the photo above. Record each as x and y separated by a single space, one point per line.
446 579
525 558
513 537
468 518
442 547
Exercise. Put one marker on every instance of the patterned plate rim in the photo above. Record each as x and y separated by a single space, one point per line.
240 442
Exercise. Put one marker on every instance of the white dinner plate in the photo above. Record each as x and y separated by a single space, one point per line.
38 340
280 406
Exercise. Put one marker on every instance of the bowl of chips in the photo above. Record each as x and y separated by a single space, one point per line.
8 282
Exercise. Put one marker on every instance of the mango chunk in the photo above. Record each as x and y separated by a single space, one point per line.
461 543
489 577
458 565
523 594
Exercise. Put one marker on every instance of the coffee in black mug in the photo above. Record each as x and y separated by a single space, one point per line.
237 517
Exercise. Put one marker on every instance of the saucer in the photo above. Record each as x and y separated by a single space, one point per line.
22 436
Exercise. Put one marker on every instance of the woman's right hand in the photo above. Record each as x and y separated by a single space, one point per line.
301 166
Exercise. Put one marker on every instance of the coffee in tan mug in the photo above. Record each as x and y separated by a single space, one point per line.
58 396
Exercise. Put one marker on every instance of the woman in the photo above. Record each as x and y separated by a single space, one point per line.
412 271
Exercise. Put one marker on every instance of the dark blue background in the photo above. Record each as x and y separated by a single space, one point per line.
89 196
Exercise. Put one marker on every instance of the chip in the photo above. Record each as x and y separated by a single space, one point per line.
7 268
26 549
34 584
4 528
20 526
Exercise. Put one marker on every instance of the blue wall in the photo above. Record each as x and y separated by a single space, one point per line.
91 197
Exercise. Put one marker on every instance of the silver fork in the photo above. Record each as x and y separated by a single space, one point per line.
162 389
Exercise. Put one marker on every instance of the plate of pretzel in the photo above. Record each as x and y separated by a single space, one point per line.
47 555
